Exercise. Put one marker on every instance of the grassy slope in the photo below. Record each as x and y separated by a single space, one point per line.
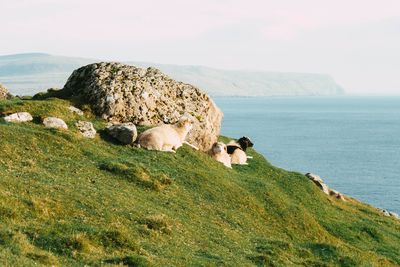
66 200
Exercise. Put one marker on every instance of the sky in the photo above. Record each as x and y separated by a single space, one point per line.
355 41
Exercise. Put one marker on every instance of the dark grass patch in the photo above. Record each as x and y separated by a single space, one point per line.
130 261
137 174
270 252
15 241
269 246
5 237
372 232
117 239
106 137
50 93
325 252
264 260
329 253
7 213
56 243
157 222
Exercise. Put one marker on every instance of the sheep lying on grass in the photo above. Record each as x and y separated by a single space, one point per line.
166 137
219 153
237 150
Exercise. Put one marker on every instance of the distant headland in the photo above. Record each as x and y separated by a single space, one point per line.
29 73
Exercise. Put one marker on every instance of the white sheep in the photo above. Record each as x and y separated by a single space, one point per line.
167 137
237 150
219 152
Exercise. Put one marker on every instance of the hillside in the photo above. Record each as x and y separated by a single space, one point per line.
30 73
70 201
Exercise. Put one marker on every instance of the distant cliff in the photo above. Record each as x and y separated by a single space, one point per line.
31 73
252 83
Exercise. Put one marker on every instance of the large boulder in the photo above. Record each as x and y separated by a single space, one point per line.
4 93
123 93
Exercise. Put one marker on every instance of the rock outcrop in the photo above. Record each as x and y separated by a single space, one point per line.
86 128
19 117
389 213
324 188
56 123
126 133
319 182
4 93
123 93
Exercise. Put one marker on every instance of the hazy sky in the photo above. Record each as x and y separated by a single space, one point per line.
356 41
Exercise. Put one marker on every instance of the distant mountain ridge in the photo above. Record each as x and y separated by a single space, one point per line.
33 72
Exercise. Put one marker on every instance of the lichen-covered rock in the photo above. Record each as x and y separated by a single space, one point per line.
4 93
19 117
126 133
53 122
86 128
123 93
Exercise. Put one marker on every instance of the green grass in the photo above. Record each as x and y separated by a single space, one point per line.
69 201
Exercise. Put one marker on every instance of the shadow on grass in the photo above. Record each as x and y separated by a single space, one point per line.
130 261
329 253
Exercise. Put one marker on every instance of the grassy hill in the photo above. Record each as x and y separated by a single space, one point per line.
69 201
27 74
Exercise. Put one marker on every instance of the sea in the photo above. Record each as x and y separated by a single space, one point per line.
352 142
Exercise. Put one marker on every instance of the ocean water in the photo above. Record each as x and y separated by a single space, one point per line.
353 143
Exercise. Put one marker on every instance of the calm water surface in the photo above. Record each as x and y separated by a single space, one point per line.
353 143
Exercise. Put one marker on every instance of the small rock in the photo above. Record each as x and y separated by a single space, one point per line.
126 133
75 110
53 122
86 128
4 93
19 117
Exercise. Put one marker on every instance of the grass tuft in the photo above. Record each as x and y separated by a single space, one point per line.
157 222
130 261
